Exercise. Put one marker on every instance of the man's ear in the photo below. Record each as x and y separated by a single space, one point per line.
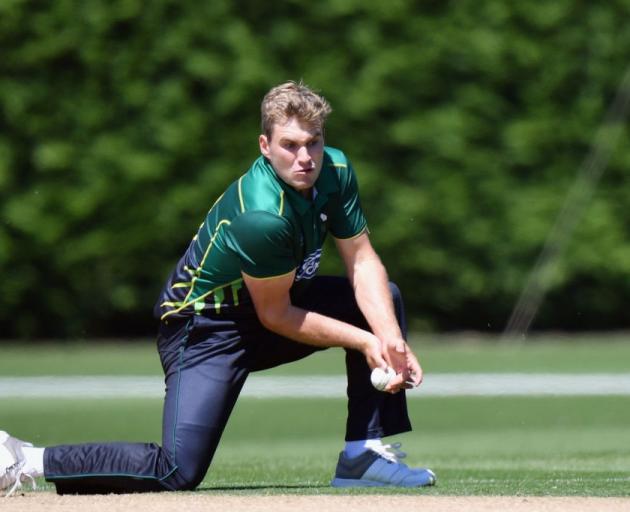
263 143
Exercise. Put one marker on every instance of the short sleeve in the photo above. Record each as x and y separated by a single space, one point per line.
263 242
346 218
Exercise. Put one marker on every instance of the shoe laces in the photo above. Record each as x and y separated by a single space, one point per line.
391 452
20 476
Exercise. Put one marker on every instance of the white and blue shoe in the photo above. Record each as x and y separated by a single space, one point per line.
380 467
12 463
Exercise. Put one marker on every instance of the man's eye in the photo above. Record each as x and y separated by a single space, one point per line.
313 143
290 145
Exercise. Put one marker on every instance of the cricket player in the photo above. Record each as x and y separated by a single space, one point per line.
245 296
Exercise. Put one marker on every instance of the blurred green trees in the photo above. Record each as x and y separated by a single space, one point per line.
122 120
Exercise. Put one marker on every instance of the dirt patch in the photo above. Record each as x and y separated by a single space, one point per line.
194 502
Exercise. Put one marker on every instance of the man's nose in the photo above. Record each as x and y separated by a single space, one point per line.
303 154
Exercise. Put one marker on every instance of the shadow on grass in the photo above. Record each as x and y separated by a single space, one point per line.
258 487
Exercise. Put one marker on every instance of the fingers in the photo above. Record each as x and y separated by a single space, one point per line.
388 360
399 383
396 384
409 376
401 348
374 355
379 362
397 355
415 370
397 361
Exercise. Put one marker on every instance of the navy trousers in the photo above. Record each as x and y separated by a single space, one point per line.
206 360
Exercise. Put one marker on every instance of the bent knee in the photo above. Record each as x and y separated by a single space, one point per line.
187 479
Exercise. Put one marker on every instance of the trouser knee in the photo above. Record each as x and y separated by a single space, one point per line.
186 478
192 452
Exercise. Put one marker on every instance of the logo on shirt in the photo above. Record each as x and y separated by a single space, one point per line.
309 266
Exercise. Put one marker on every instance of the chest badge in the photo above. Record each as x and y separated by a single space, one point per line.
323 216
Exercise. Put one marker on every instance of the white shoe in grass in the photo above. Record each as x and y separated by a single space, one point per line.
12 463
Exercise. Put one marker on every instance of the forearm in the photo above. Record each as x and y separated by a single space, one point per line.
318 330
374 298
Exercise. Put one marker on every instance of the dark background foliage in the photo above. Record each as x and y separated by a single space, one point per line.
122 120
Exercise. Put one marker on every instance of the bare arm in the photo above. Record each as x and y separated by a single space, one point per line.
275 311
371 288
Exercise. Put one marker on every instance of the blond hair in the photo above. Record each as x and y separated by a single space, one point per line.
292 99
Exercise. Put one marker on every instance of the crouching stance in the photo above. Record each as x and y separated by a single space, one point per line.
245 297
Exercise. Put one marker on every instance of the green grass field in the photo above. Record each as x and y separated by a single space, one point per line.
476 445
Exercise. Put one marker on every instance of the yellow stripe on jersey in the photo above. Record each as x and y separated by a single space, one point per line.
187 301
216 233
185 304
281 210
272 277
240 194
364 230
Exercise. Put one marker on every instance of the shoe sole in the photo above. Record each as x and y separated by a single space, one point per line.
349 482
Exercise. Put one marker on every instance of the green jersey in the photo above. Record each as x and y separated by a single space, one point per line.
264 228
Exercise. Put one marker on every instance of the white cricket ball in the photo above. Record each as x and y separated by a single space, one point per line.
380 378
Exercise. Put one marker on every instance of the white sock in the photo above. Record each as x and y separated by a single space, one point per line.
355 448
34 460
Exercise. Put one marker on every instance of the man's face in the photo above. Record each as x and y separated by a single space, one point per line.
296 152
